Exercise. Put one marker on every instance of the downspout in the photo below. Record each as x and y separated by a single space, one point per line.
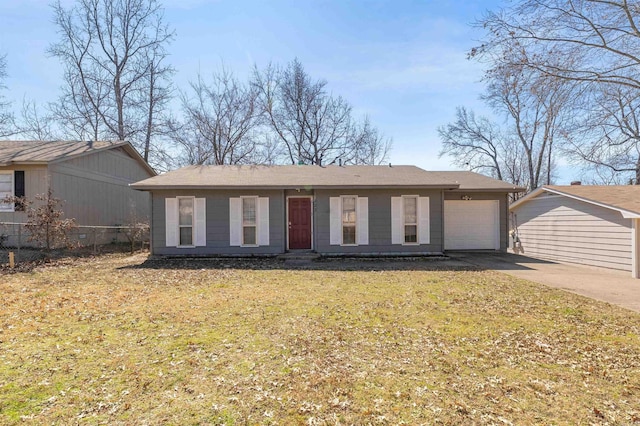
442 221
635 248
285 247
151 223
505 239
314 222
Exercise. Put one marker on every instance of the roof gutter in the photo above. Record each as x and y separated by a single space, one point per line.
267 187
514 189
26 163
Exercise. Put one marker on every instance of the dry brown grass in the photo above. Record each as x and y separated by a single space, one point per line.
102 341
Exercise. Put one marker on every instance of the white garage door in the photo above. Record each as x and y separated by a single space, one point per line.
472 225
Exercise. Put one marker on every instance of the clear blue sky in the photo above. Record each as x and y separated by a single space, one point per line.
401 62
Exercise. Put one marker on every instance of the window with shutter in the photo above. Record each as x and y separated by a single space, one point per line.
19 189
349 220
6 190
249 221
185 221
410 220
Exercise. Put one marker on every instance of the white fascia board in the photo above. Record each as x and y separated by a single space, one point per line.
625 213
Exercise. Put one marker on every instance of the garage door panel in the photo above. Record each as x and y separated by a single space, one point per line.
471 225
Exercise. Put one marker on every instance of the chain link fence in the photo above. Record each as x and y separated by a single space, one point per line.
81 240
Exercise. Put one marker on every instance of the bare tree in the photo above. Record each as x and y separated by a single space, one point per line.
534 105
523 150
78 110
7 123
115 82
607 139
367 145
481 145
45 220
314 126
474 143
155 99
595 41
593 44
597 175
35 124
220 122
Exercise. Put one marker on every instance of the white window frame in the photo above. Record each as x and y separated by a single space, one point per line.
193 222
355 223
416 224
255 226
12 207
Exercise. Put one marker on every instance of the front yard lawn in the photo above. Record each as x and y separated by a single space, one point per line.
117 340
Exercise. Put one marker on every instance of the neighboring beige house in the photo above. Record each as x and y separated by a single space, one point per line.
584 224
91 177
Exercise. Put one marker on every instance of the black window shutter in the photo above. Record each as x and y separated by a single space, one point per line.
18 186
19 183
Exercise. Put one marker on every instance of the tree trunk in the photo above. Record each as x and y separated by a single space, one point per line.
147 136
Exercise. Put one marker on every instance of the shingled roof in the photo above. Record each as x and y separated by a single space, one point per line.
305 176
624 198
44 152
471 181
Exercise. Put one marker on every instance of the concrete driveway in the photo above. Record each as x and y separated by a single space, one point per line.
607 285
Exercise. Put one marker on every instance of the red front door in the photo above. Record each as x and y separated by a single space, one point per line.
300 223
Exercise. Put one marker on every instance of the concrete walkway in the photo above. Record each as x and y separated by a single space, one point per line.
607 285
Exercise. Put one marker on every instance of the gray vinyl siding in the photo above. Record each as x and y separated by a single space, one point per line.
504 209
568 230
217 210
96 189
379 222
379 206
111 163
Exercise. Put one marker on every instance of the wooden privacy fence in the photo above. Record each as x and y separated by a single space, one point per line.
14 235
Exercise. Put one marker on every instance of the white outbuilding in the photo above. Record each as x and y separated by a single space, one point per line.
585 224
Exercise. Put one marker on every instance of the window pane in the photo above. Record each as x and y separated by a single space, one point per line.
348 235
410 234
6 190
249 235
249 212
410 210
186 211
349 210
186 236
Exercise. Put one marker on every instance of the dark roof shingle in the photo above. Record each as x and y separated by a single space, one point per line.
625 197
20 152
253 176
